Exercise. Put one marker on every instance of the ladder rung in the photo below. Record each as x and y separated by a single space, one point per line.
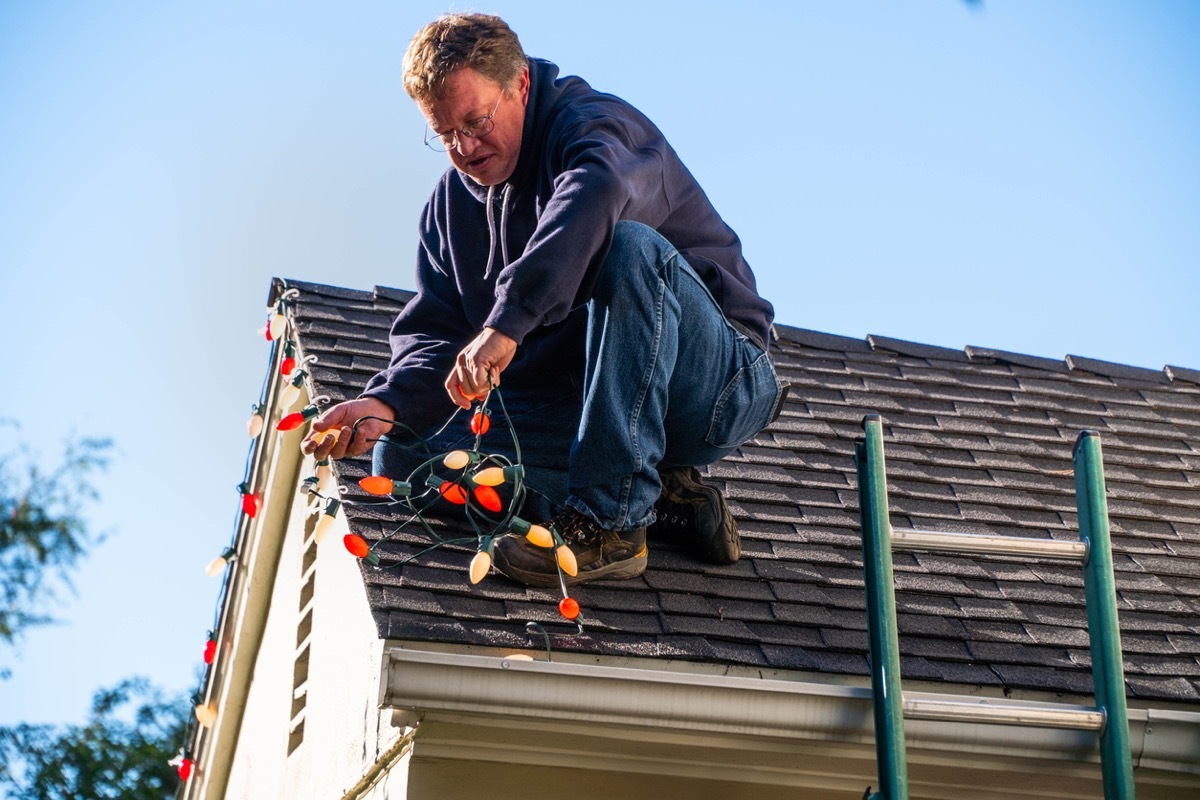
908 539
1083 718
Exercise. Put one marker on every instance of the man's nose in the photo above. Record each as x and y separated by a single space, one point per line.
466 145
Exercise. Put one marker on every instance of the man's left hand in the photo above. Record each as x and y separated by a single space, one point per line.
477 368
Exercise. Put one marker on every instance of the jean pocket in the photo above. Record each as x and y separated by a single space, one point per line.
745 405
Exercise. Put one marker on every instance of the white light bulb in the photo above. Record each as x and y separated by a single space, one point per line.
324 525
290 394
278 325
206 714
325 478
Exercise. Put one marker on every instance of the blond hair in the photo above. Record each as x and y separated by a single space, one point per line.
481 42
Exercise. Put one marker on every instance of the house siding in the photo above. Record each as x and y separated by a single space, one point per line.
313 726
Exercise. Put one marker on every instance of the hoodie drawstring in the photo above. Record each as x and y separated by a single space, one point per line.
491 219
504 224
492 233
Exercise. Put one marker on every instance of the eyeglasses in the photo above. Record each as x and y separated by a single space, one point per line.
474 129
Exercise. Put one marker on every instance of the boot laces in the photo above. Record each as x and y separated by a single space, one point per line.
674 518
575 528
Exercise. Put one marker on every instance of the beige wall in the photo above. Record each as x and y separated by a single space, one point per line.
312 730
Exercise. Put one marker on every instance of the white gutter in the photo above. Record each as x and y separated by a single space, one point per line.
437 682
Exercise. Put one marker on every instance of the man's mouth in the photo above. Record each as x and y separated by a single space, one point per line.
476 163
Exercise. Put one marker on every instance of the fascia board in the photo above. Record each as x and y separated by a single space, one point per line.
421 682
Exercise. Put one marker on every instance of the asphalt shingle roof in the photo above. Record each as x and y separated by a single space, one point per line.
977 440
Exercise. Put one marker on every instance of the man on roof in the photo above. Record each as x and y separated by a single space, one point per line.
570 255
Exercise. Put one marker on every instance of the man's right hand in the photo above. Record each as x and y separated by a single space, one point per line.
340 419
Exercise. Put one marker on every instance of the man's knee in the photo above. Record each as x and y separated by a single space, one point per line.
635 242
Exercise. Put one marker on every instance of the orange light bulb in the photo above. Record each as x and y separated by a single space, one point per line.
540 536
320 436
481 422
377 484
566 560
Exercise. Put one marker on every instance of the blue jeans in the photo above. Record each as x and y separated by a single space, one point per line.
668 382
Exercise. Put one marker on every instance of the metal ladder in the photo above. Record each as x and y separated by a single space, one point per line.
1108 717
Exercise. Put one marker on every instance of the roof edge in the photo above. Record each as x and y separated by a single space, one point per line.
469 684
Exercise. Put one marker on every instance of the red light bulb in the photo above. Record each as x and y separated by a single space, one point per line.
286 366
453 492
488 498
251 503
568 607
210 651
185 769
357 545
481 422
297 418
290 422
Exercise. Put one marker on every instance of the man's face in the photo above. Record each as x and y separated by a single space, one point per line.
489 159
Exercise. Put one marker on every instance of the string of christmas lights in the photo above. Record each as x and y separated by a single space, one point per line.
249 504
470 480
489 489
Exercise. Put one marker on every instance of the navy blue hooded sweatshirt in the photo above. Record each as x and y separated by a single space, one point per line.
522 257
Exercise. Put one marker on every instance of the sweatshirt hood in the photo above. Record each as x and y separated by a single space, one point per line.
543 95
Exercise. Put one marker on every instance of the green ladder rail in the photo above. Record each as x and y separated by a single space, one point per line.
1108 717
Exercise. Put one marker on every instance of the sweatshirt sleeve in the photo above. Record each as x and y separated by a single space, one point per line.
608 168
425 338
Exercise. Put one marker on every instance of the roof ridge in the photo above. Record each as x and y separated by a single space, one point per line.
821 340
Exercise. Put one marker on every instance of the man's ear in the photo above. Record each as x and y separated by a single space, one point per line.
523 86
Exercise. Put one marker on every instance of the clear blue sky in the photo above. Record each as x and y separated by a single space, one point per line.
1020 175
